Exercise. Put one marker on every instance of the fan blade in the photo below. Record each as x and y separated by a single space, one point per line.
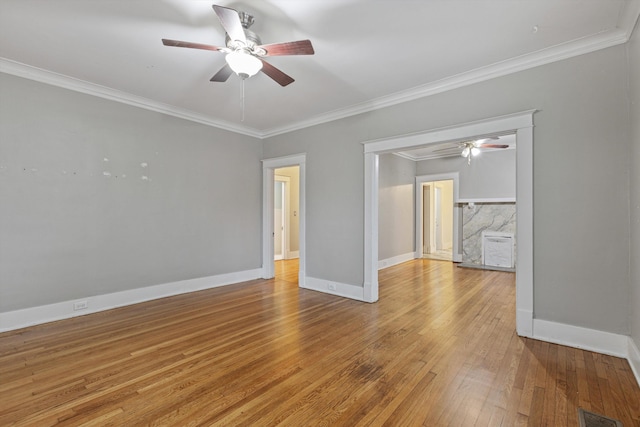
493 146
223 74
178 43
300 47
230 22
281 78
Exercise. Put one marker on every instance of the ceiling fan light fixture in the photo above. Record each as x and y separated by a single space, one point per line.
465 152
475 151
243 64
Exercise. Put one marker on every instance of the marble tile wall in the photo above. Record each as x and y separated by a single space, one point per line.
480 217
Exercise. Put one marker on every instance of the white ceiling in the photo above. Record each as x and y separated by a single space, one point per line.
369 53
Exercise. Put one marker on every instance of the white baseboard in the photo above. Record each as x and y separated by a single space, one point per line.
634 358
334 288
293 254
17 319
398 259
589 339
578 337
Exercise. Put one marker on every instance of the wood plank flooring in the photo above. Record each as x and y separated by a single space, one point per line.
439 348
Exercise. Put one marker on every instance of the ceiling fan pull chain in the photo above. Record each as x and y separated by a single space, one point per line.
242 99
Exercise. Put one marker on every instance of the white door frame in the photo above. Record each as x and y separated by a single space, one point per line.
268 180
420 181
519 123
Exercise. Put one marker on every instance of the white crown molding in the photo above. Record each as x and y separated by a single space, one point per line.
542 57
44 76
628 17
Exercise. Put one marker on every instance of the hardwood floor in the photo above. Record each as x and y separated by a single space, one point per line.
439 348
287 270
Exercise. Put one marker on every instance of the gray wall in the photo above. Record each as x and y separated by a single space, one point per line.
71 235
489 176
70 231
396 206
634 58
581 185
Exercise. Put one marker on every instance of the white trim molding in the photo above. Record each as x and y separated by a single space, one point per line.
488 200
619 35
589 339
571 49
633 356
395 260
579 337
334 288
519 123
371 188
17 319
60 80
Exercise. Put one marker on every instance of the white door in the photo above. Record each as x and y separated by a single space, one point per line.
279 237
426 221
437 217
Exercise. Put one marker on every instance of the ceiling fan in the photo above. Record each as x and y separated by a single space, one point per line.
472 148
245 50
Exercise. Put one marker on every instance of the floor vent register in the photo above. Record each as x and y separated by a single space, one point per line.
589 419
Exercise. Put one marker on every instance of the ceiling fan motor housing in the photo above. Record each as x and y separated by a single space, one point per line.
253 40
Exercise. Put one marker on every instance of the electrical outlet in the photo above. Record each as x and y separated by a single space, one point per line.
332 286
80 305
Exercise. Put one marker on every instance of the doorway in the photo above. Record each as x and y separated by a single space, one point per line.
286 197
292 240
281 202
519 123
438 217
437 220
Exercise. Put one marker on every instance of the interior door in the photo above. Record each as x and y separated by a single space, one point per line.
437 220
279 220
426 219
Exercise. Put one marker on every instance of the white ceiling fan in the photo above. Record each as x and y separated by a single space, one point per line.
473 148
244 49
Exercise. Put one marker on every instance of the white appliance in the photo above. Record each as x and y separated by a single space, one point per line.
498 249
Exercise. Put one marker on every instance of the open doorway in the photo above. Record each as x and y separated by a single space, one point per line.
438 217
519 123
281 222
293 167
437 220
286 197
